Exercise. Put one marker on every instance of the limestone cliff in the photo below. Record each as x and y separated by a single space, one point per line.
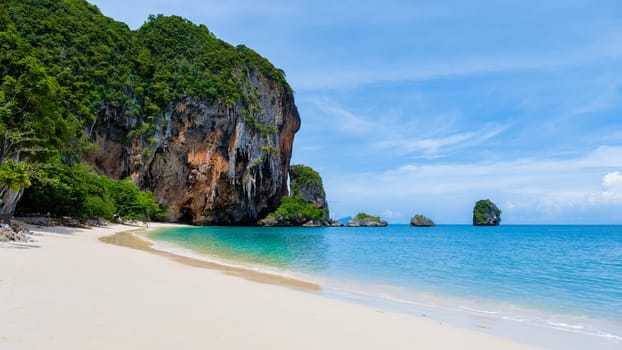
209 162
486 213
205 125
307 183
306 206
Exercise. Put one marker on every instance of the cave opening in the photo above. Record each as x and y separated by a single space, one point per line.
187 216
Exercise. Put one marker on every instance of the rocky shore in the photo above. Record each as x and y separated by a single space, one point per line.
15 232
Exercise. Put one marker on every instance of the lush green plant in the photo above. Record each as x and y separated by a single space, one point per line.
77 191
135 204
296 209
65 190
304 176
14 175
367 217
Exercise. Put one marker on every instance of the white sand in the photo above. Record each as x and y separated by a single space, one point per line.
72 291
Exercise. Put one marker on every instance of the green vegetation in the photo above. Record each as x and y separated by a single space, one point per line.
486 212
65 68
366 217
302 205
296 209
77 191
304 176
14 175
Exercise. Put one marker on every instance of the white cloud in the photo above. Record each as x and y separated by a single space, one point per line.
613 181
612 187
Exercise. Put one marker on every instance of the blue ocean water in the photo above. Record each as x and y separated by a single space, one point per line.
566 278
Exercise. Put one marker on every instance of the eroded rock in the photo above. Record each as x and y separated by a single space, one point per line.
213 163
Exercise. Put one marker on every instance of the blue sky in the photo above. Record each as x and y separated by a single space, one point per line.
427 106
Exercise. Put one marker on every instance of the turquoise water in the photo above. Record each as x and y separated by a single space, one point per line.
564 278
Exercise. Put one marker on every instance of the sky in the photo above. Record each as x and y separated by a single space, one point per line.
427 106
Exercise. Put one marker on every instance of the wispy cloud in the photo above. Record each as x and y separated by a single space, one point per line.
438 146
458 66
342 118
421 137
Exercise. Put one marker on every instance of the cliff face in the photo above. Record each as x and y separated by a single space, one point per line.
307 183
209 162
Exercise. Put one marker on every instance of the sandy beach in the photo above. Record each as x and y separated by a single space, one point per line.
69 290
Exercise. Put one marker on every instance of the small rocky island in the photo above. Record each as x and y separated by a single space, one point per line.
486 213
306 205
421 221
363 219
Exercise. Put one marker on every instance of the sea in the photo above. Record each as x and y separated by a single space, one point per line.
559 287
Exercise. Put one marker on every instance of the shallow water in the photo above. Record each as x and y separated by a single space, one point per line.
553 279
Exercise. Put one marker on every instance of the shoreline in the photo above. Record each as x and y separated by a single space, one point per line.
476 315
135 240
70 291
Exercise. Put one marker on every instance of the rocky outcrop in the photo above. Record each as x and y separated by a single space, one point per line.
209 162
307 183
16 232
306 206
363 219
421 220
366 222
486 213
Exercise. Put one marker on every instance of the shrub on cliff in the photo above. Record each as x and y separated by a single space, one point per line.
306 182
486 213
296 210
304 176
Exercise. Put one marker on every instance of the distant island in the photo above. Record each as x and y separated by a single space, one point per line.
364 219
486 213
421 220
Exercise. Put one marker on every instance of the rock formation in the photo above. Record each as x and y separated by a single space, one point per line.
307 183
210 165
421 220
486 213
306 206
208 127
362 219
17 231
